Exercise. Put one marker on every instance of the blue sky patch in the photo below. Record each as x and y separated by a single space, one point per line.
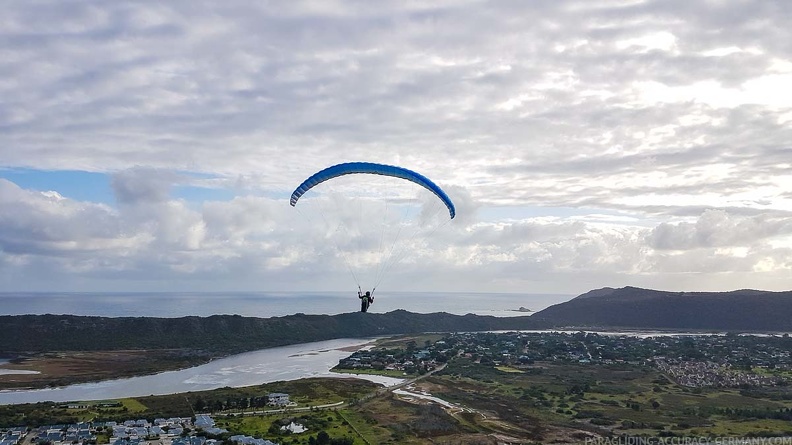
97 187
77 185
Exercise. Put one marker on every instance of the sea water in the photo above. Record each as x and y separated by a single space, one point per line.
268 304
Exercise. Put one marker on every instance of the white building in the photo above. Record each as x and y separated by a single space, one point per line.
278 399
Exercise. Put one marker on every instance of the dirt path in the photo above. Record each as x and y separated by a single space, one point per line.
401 385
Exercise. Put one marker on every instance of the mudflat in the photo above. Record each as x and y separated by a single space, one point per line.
67 368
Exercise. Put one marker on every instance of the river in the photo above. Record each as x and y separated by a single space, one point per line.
251 368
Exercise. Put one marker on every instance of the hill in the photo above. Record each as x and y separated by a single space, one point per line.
627 307
632 307
223 333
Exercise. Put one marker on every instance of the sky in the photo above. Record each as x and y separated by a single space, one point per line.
153 146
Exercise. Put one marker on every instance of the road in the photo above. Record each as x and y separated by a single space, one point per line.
280 410
402 384
332 405
337 404
28 438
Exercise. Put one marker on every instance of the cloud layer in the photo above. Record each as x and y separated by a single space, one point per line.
586 143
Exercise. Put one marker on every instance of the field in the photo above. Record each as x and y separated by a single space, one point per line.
66 368
611 399
224 401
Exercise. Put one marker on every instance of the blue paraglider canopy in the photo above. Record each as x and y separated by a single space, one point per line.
374 169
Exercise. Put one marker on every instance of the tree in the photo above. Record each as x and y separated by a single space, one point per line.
322 438
275 429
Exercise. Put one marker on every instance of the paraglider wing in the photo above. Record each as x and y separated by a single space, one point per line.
374 169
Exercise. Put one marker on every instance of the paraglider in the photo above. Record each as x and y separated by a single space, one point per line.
403 232
373 169
365 299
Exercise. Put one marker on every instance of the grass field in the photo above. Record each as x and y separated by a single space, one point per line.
607 399
269 426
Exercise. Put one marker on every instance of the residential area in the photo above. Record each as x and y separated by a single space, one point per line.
172 431
700 374
396 361
690 360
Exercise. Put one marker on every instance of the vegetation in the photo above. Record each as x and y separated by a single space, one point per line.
609 386
66 368
632 307
221 334
512 386
232 401
322 427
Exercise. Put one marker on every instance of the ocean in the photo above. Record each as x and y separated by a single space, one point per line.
267 304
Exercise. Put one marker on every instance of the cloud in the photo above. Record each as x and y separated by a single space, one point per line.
671 113
254 241
141 185
717 228
45 223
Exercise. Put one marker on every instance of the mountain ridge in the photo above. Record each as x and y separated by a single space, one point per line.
224 333
632 307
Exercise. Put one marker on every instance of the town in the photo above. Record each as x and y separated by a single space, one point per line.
692 361
197 430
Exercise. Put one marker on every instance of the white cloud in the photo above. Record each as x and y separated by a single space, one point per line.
717 228
664 41
655 111
140 185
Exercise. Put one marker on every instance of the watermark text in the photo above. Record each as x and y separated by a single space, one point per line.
693 440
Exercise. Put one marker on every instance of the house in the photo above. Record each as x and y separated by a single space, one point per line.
277 399
140 431
120 441
192 440
204 421
247 440
120 431
216 431
183 421
156 431
175 431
